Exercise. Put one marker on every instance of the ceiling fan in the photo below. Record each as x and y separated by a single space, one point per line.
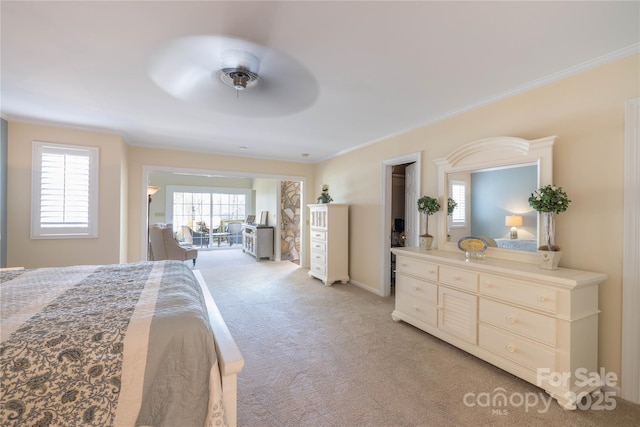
200 70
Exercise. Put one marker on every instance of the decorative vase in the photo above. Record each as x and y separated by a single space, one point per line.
426 242
549 260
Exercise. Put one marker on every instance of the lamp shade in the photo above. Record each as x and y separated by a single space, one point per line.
151 190
513 221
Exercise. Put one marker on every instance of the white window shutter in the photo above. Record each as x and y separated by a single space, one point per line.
64 191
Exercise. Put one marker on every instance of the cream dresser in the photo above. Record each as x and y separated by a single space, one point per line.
536 324
329 242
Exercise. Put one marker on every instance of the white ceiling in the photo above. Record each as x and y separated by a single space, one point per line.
369 69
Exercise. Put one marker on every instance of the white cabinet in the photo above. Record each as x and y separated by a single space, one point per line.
540 325
329 242
257 241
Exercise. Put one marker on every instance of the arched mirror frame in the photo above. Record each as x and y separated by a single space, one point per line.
491 153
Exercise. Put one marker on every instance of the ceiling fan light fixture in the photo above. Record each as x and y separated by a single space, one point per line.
238 78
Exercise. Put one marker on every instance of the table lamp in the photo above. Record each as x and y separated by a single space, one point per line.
513 221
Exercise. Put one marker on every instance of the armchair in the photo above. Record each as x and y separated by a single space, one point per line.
165 246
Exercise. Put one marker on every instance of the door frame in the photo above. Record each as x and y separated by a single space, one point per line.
387 172
630 387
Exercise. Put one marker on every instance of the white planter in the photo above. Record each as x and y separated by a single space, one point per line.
426 242
549 260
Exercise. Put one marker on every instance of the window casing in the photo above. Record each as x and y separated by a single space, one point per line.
458 192
64 191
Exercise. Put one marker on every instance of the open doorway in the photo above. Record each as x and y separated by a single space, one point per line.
266 196
401 177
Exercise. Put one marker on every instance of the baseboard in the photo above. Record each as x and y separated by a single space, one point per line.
367 288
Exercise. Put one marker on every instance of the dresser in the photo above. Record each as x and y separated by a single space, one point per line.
257 240
329 242
540 325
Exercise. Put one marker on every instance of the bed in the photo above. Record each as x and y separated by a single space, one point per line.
518 244
139 344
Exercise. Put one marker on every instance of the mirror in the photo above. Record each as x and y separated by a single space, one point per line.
497 175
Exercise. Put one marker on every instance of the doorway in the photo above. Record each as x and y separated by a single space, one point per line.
400 195
267 192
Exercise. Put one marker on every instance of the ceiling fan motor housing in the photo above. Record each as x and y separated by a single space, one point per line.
239 69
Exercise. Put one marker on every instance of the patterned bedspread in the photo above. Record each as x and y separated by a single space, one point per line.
114 345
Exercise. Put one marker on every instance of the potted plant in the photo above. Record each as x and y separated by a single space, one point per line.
549 201
324 196
428 206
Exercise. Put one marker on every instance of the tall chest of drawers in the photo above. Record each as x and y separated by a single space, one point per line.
329 242
539 325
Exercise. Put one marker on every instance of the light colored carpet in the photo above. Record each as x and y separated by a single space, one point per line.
332 356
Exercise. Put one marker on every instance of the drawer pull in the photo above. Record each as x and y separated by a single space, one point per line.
415 308
488 285
431 272
404 265
511 319
457 278
511 348
542 298
416 287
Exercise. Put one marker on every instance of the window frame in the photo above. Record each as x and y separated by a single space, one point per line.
65 232
462 207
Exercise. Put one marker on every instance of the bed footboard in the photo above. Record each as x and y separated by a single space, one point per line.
229 356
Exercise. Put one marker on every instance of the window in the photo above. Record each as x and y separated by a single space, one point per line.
206 208
64 191
458 194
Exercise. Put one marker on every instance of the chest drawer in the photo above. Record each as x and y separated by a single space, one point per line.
418 268
318 246
418 309
518 350
318 257
523 322
418 288
524 293
462 279
318 268
319 235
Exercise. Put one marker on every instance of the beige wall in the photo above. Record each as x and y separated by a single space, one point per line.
585 111
23 251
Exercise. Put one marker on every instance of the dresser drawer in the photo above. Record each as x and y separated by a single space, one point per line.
418 288
418 309
318 268
318 258
523 322
318 246
462 279
518 350
319 235
520 292
418 268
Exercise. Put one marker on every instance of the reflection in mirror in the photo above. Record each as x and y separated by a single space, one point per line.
496 206
494 178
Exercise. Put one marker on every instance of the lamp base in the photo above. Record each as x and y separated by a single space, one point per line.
513 234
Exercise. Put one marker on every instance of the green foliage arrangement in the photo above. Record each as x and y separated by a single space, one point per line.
428 205
451 206
324 196
549 199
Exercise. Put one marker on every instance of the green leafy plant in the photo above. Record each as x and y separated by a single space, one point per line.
549 199
324 196
451 206
428 205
